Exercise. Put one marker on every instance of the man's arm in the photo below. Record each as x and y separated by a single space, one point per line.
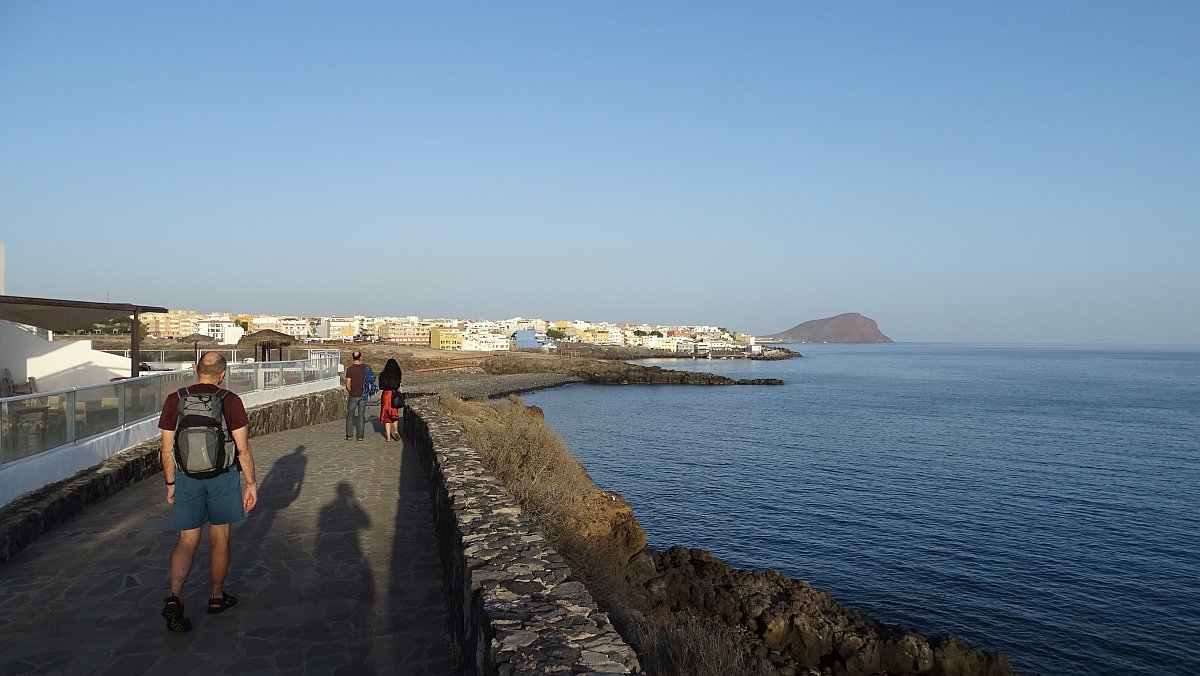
241 438
168 463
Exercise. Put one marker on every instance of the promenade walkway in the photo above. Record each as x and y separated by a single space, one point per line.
336 571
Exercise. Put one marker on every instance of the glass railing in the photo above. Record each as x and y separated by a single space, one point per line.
33 423
188 355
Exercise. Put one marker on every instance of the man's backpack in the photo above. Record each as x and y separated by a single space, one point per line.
370 387
201 434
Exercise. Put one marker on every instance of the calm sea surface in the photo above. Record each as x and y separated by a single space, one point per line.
1039 500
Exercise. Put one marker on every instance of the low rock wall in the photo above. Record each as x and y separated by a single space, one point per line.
515 606
25 519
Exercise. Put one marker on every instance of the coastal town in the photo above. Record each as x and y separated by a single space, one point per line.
471 335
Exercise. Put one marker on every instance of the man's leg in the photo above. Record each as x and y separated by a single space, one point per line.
362 416
218 539
181 559
351 409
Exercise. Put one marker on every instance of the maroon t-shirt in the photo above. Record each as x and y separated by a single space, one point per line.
235 411
356 374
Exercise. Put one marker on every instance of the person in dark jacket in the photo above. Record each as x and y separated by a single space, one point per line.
389 413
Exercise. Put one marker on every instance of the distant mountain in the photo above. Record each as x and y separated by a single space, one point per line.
847 328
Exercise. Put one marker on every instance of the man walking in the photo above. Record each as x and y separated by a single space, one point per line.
356 403
218 500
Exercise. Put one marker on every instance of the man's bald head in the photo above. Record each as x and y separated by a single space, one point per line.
212 365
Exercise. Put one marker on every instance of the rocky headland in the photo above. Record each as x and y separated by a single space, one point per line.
776 353
608 372
850 327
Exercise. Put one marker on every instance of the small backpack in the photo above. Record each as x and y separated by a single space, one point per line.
370 387
201 435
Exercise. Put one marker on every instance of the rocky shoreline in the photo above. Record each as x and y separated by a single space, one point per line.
798 629
611 372
490 386
475 386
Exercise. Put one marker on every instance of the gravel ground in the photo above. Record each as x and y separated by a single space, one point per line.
475 386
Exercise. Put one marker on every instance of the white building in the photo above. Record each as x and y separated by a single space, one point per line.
336 328
485 342
225 331
684 345
482 327
515 324
292 326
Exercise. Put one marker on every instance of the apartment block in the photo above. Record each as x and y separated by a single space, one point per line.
442 338
482 327
337 328
173 324
292 326
485 342
404 334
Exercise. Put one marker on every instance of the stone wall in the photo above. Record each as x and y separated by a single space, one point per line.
25 519
515 607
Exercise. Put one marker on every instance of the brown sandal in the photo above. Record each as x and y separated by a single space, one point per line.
218 604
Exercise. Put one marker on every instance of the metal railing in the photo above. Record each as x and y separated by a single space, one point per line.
35 423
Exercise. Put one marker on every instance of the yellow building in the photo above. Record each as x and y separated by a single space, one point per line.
442 338
173 324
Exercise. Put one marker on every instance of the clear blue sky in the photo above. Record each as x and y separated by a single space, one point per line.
1008 171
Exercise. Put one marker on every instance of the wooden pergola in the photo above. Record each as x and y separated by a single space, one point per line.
195 339
266 340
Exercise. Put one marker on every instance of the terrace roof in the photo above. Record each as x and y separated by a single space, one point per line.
64 315
61 315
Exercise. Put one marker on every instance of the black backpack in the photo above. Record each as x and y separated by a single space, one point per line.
201 435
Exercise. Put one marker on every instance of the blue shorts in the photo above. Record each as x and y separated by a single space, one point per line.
199 501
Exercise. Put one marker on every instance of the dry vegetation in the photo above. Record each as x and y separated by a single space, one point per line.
597 533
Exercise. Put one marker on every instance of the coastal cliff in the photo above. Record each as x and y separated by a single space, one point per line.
850 327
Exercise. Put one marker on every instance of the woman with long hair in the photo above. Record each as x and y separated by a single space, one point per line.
389 388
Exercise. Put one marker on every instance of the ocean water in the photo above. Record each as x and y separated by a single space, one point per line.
1039 500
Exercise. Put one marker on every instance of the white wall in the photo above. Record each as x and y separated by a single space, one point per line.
56 365
76 364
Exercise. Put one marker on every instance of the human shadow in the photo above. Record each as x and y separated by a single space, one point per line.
277 490
281 486
347 585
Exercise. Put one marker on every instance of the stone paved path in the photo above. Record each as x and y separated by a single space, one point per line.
335 571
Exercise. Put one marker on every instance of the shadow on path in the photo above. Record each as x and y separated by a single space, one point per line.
416 590
330 579
277 489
